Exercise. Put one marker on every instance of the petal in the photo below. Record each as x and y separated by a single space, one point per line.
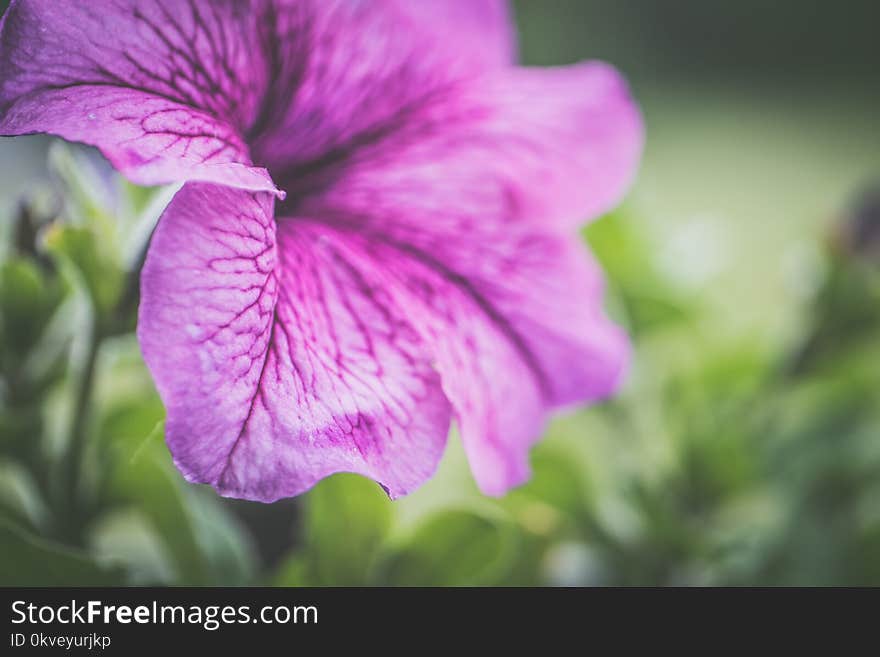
512 316
482 27
476 195
349 70
553 146
164 89
278 354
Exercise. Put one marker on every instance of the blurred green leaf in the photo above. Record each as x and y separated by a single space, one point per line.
154 488
205 545
20 498
453 548
347 519
82 251
29 298
294 572
649 300
845 317
32 561
128 537
223 541
556 497
87 194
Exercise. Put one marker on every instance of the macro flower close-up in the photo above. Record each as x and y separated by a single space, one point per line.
380 294
376 232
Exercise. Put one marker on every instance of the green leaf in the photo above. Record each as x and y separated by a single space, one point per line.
348 517
150 485
205 544
454 548
140 474
88 196
82 251
29 298
223 541
147 205
558 485
20 498
32 561
128 537
295 571
650 301
347 520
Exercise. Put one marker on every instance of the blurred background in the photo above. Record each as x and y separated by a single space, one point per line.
745 263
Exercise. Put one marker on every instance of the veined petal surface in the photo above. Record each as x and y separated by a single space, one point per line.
279 355
164 88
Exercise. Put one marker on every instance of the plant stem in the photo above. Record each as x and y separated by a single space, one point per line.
73 463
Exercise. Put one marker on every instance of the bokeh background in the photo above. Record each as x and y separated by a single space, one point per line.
745 263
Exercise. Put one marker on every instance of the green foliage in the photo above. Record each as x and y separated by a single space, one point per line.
454 548
78 248
347 519
648 300
30 296
32 561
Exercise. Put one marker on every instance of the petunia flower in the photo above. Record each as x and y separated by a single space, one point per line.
377 233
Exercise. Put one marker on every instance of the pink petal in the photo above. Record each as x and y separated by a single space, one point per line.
470 203
553 146
512 318
484 28
350 70
280 357
165 89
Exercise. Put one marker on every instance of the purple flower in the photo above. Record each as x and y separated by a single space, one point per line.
424 263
